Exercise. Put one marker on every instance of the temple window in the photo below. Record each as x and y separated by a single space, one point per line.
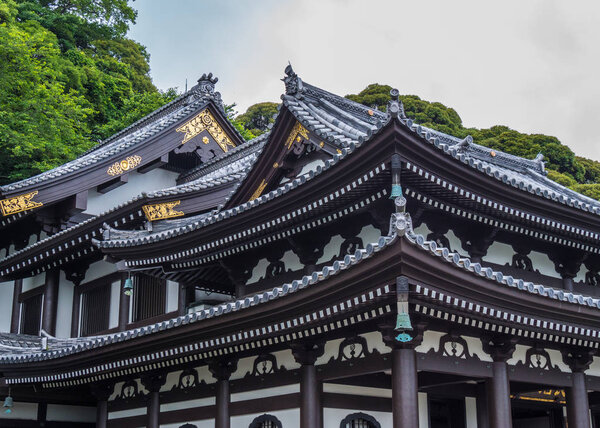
95 309
359 420
31 313
149 297
266 421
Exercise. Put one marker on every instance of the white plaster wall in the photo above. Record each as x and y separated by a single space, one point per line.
33 282
156 179
369 234
291 261
476 348
311 166
499 253
431 340
7 290
266 392
172 296
189 404
113 311
594 369
59 412
331 351
518 355
244 366
286 359
542 263
332 249
423 404
259 271
98 270
375 341
471 412
64 311
127 413
423 230
289 419
21 411
366 391
333 417
455 244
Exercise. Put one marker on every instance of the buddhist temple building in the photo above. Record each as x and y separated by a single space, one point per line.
349 268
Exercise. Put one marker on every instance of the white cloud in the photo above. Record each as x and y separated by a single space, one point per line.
530 65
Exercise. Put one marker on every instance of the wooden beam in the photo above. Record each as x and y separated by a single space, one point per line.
113 184
157 163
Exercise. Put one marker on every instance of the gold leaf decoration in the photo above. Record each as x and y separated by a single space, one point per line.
297 130
161 211
124 165
258 190
19 203
204 121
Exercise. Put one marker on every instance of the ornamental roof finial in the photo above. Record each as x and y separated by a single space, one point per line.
293 84
395 107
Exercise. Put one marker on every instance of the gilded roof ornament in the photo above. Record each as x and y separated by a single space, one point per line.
161 211
16 204
124 165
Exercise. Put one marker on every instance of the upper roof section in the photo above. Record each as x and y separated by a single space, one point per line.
190 130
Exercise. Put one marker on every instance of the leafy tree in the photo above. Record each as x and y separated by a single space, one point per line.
41 123
258 117
69 78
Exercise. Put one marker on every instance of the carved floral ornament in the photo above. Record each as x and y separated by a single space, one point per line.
124 165
17 204
204 121
161 211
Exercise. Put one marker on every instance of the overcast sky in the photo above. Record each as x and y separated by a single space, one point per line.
530 65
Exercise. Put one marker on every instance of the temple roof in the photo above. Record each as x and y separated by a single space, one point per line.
19 348
135 134
231 167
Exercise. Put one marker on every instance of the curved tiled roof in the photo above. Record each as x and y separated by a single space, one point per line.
62 347
343 121
140 131
232 173
26 349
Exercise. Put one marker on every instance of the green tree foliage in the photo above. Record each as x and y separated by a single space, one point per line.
258 117
68 78
577 173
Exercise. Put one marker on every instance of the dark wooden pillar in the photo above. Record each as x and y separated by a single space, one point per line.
153 383
311 409
482 410
50 301
222 371
123 306
501 349
405 405
16 306
102 392
578 408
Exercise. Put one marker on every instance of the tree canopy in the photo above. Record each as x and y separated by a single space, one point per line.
68 79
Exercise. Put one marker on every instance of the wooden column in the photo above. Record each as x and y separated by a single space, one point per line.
16 306
501 349
578 408
50 301
482 410
123 306
222 371
153 383
102 392
405 403
311 410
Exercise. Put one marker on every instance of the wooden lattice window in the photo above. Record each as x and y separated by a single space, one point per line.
359 420
95 309
149 297
266 421
31 315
